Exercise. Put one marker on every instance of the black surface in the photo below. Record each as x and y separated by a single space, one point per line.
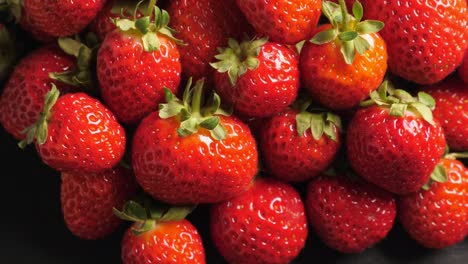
32 229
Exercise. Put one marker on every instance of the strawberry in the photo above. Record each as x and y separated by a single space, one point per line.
133 67
184 154
205 26
266 224
426 40
7 52
438 217
23 96
394 142
76 133
282 21
88 200
258 78
349 216
345 60
451 98
463 69
297 145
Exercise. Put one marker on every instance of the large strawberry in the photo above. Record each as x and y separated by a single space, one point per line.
76 133
187 154
345 60
88 200
282 21
204 26
451 98
266 224
258 78
463 69
438 217
135 63
426 40
23 96
349 215
394 142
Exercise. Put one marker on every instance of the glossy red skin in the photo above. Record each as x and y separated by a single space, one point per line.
266 90
463 69
193 169
61 18
426 40
204 26
438 218
23 96
88 199
35 32
290 157
168 243
282 21
83 136
451 98
349 216
397 154
131 79
335 84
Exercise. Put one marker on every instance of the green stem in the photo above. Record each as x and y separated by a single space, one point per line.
197 96
150 8
344 13
459 155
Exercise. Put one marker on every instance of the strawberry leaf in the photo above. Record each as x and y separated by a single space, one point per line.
369 26
424 111
439 174
427 100
358 10
324 36
317 125
348 51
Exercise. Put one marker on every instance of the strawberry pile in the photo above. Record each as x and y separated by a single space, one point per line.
335 117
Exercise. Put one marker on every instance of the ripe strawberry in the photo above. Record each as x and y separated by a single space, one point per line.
425 39
205 26
438 217
282 21
88 200
258 78
463 69
396 143
349 216
297 145
133 67
76 133
23 96
451 98
254 226
187 155
332 72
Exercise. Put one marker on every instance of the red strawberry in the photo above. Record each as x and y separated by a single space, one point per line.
282 21
133 68
425 39
463 69
438 217
205 26
349 216
451 98
88 200
76 133
7 52
187 155
395 144
296 146
23 96
340 69
258 78
266 224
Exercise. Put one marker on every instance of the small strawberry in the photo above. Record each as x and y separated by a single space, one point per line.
7 52
135 63
463 69
426 40
345 60
258 78
438 216
451 98
76 133
282 21
349 216
394 142
266 224
186 154
88 200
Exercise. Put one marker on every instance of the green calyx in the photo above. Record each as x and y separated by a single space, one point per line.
457 155
38 130
348 30
237 58
399 101
11 10
439 174
319 122
190 113
7 52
